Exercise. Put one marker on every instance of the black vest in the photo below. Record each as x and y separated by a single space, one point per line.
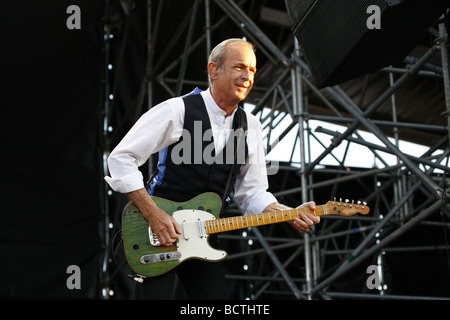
190 166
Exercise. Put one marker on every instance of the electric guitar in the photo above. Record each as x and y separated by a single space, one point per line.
198 218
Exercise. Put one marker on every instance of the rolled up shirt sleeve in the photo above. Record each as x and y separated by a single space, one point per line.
155 130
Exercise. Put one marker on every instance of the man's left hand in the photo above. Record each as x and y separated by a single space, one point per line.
306 220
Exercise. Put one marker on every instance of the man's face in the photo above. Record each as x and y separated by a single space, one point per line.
235 80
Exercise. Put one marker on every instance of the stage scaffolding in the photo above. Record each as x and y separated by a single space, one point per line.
274 262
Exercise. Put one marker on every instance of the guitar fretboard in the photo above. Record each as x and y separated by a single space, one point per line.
258 219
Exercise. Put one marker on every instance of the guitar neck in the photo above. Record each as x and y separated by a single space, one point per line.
258 219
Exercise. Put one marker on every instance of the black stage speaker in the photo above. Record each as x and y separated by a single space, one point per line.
341 40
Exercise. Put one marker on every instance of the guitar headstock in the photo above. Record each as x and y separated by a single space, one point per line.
346 208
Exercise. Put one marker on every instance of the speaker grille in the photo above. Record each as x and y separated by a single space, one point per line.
330 30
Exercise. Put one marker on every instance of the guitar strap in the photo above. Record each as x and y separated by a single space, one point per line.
242 132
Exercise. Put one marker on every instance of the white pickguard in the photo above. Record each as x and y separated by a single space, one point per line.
193 242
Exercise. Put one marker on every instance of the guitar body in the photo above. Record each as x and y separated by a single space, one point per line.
143 253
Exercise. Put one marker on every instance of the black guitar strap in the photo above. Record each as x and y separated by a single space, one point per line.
242 132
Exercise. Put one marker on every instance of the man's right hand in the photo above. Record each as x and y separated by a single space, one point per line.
163 225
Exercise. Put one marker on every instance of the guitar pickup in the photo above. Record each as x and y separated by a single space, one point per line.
160 257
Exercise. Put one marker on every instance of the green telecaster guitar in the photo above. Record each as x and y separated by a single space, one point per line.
198 218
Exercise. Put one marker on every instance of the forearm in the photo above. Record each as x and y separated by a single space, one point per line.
143 201
163 225
276 206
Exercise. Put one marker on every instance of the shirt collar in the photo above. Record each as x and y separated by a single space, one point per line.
212 105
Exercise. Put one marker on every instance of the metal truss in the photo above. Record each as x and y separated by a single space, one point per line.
330 262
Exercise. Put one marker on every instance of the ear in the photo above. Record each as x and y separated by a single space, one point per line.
213 70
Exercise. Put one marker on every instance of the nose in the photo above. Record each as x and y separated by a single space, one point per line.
247 75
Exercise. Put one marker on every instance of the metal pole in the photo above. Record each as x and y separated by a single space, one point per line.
277 272
349 105
411 223
397 184
322 184
368 296
278 264
297 96
195 44
273 257
443 34
268 93
378 102
410 125
247 25
186 49
208 29
104 277
373 146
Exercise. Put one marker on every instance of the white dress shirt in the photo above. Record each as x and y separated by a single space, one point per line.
162 126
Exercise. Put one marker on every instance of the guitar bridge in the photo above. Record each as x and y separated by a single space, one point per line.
154 241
